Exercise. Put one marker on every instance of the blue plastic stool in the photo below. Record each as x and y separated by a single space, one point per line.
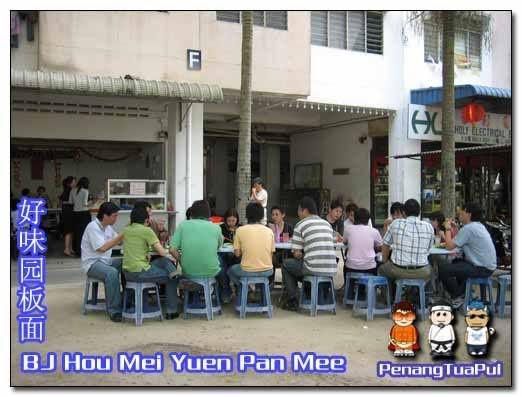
95 303
371 283
413 282
315 302
349 285
138 314
503 281
484 284
242 305
192 304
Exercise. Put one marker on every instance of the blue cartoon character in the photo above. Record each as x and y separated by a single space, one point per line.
477 333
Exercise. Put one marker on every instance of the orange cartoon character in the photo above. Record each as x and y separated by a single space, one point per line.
404 337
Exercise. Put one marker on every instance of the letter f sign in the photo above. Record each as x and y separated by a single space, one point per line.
193 59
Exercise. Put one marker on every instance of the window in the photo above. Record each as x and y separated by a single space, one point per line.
320 28
269 19
228 16
468 47
276 19
352 30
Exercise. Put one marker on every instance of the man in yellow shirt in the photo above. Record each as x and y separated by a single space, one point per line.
254 243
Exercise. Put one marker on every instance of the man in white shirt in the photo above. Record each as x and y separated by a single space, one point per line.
98 240
259 195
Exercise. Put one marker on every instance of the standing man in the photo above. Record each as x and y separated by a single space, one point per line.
313 249
97 242
411 240
480 259
259 195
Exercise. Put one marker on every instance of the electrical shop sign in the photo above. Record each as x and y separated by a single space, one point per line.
425 123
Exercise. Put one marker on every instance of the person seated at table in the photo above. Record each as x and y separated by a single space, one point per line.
396 212
333 217
350 215
228 259
313 250
97 242
480 259
254 243
283 232
138 239
437 221
411 240
156 224
195 245
363 241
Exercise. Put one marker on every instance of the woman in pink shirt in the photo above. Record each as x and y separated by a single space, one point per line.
363 242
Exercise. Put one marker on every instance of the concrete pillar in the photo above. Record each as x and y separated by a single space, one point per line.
404 181
176 157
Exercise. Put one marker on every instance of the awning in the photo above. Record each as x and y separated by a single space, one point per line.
490 148
433 95
67 83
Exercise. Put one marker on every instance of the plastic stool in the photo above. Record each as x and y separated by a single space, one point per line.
315 304
192 304
503 281
242 304
349 287
138 315
95 303
413 282
371 283
485 284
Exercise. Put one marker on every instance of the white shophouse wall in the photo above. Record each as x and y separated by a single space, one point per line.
337 147
384 81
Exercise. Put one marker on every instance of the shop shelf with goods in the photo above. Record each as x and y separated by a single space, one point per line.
126 192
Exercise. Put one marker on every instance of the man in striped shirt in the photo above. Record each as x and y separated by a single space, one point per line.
411 240
313 249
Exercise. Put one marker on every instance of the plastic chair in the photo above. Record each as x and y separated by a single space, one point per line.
417 283
500 302
349 286
242 304
484 284
192 303
371 283
138 314
95 303
316 303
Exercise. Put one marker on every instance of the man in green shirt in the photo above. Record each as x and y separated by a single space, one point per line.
196 242
138 239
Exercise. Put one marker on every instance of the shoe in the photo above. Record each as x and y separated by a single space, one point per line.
171 316
291 305
226 299
457 302
116 317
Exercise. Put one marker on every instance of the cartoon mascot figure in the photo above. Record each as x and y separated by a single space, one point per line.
404 337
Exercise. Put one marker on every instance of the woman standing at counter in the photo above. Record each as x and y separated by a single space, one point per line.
79 197
67 214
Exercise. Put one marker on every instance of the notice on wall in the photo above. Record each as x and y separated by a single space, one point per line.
425 123
137 188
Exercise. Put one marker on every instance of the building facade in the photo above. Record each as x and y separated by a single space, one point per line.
330 104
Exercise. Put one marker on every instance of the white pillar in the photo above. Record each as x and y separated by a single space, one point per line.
177 156
404 180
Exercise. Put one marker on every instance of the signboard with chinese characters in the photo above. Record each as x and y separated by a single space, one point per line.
425 123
